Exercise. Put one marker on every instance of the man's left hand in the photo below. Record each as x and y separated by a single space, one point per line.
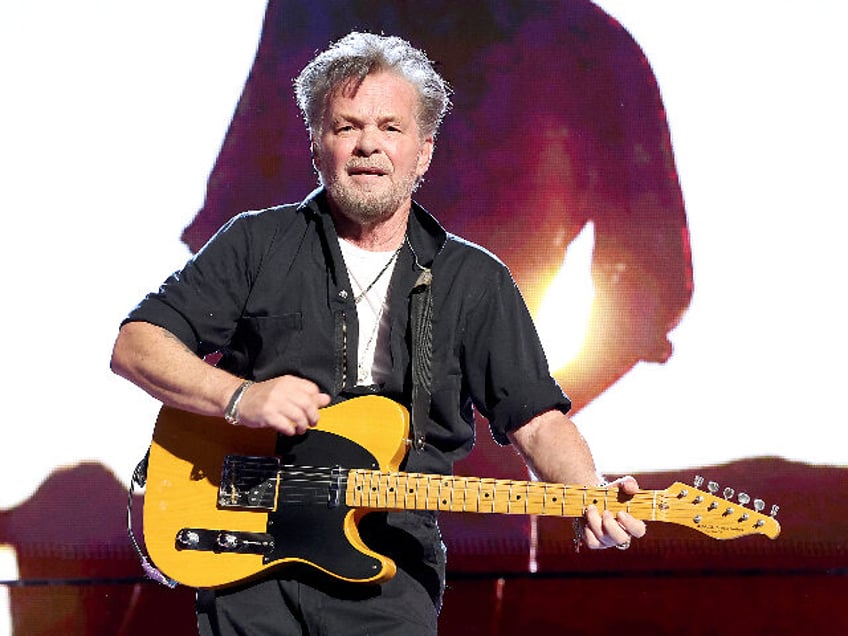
606 530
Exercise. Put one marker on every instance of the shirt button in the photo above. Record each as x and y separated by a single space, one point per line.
343 294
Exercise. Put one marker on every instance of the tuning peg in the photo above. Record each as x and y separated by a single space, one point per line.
712 487
759 505
728 493
774 510
698 481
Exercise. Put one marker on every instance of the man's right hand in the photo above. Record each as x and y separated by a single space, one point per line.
288 404
162 365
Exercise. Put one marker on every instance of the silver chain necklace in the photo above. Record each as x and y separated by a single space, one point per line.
370 286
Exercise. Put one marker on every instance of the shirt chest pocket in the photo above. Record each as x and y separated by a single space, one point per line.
272 345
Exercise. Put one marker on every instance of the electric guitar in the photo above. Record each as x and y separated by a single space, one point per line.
226 503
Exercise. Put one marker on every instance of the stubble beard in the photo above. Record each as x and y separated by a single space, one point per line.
368 207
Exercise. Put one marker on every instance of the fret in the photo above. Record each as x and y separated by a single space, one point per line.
371 490
416 491
391 490
487 495
419 491
445 494
410 492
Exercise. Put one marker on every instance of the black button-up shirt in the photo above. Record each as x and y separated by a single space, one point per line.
271 292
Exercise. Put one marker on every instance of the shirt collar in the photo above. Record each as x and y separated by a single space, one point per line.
426 234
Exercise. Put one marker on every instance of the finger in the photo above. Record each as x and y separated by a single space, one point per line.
319 401
590 540
300 429
630 485
283 425
593 529
300 418
308 399
323 399
626 484
614 532
633 526
594 524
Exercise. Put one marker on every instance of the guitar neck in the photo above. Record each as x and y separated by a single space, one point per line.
418 491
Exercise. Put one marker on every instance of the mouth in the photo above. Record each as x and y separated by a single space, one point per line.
367 171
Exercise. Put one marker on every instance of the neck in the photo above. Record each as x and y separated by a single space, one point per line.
383 235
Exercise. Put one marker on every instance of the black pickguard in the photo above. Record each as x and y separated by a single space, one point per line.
308 523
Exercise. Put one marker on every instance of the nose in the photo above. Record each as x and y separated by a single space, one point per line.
367 143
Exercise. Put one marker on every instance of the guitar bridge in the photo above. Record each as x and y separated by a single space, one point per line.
249 482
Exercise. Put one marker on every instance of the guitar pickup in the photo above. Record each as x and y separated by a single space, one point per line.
249 482
228 541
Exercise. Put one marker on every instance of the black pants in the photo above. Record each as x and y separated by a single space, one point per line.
304 601
283 607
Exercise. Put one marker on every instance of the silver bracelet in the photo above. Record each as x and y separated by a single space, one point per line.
231 414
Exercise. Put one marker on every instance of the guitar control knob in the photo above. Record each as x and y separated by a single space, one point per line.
227 541
188 539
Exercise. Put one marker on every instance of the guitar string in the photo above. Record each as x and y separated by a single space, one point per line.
645 509
322 475
307 478
326 475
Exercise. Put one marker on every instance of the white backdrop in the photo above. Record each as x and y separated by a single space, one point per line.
113 114
112 120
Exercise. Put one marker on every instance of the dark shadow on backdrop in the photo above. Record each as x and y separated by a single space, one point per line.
557 122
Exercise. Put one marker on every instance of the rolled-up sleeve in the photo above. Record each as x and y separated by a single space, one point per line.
201 304
506 367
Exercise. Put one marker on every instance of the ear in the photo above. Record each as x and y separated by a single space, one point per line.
316 161
425 155
316 156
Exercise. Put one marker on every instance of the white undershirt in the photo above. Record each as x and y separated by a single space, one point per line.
363 267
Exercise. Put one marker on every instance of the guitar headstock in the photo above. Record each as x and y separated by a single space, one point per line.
717 517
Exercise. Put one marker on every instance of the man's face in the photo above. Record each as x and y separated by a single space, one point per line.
370 152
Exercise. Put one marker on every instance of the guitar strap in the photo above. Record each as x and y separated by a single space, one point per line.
420 316
139 478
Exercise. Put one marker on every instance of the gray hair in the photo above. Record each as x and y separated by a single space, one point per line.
356 56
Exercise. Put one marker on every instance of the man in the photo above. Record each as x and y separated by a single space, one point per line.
309 304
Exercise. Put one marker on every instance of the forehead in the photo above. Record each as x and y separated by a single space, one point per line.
382 94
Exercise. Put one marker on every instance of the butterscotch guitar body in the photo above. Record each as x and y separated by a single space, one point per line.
301 512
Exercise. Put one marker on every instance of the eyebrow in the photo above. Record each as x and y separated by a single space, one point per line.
354 119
